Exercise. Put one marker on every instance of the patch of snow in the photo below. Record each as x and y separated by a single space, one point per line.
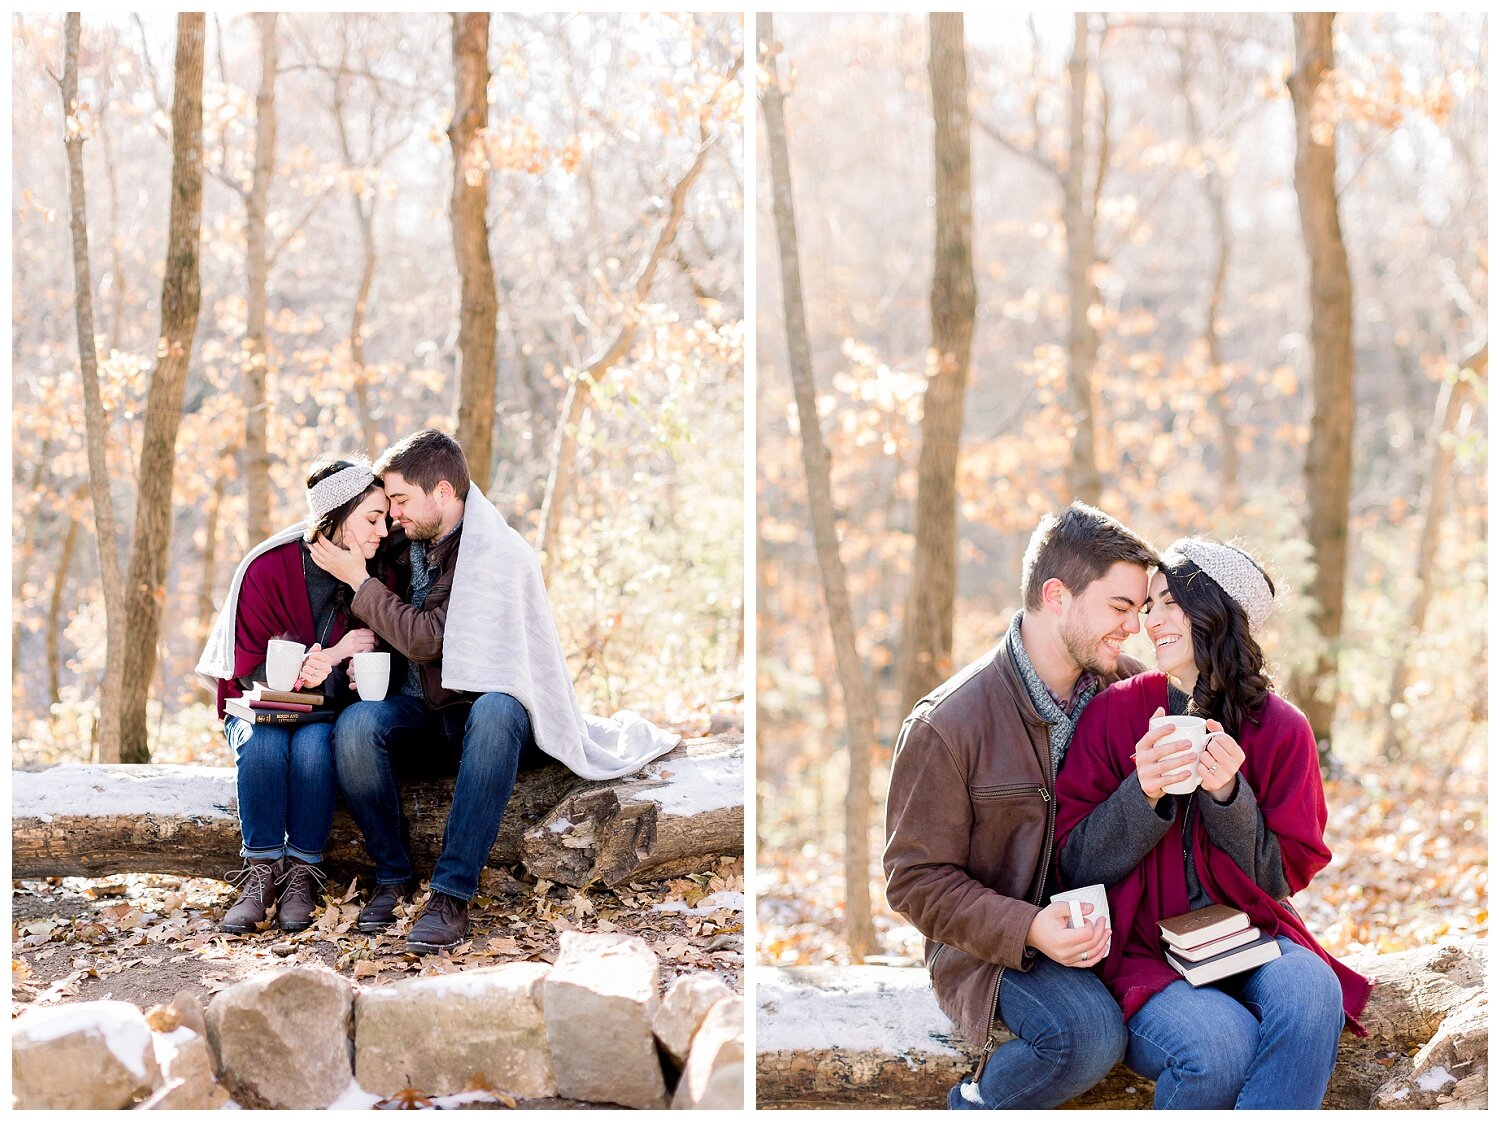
1435 1079
482 982
86 790
969 1090
168 1043
449 1102
718 901
698 784
559 825
118 1023
1397 1096
851 1008
354 1097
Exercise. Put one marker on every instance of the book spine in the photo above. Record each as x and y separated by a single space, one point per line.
285 706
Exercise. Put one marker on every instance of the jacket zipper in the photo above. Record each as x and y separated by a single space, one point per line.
989 1044
1010 792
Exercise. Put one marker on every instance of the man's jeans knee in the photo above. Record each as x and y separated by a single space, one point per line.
1069 1034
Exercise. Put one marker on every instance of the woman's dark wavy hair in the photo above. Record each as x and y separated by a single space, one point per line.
1232 679
330 525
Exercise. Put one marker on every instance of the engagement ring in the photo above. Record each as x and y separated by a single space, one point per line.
1084 956
1213 768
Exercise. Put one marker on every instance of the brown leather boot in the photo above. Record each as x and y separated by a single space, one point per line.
257 881
380 912
443 924
302 890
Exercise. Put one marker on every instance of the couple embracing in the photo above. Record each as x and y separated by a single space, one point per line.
479 687
1039 768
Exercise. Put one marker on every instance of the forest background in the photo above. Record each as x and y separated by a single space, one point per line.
345 289
1087 275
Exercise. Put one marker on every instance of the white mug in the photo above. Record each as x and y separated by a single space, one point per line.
1077 897
372 674
283 663
1195 731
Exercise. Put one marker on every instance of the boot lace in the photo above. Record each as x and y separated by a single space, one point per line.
252 880
297 874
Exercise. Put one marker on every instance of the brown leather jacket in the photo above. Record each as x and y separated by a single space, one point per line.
969 824
416 633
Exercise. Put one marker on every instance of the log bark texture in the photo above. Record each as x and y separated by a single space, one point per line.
92 820
872 1036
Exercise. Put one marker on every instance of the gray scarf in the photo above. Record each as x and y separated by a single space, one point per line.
1059 725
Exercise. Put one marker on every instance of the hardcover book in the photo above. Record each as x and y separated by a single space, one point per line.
1235 961
235 707
1203 925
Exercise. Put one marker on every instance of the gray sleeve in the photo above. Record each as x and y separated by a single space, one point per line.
1239 829
1116 836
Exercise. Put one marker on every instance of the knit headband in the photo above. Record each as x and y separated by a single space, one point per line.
1232 570
333 492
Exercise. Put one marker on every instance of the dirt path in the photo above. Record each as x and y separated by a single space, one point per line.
143 938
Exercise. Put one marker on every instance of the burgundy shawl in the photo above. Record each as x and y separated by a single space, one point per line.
273 604
1281 766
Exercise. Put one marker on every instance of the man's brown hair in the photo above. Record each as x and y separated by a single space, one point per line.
425 459
1077 545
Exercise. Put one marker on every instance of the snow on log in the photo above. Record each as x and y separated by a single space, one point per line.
654 825
872 1036
97 819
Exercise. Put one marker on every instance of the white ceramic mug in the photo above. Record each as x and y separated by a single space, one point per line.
372 674
1077 897
283 663
1195 731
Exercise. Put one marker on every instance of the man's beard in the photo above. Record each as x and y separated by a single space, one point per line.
419 531
1083 649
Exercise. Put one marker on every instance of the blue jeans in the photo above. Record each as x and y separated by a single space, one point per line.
482 744
284 777
1263 1040
1069 1034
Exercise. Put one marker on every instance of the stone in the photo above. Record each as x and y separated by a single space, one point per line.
282 1039
599 1001
725 1089
438 1033
93 1055
718 1045
688 1001
1451 1070
187 1069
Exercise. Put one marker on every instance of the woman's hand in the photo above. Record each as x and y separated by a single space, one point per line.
1150 752
1220 763
358 641
316 665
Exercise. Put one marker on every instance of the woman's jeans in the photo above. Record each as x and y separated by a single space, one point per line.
1266 1039
1069 1034
286 787
483 744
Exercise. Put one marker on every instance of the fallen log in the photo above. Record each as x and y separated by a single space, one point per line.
649 827
96 819
872 1036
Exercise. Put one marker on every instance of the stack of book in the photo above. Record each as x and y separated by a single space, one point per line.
264 706
1215 942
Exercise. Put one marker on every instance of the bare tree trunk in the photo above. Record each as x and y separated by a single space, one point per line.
1083 295
1330 446
927 646
1217 391
471 193
561 473
365 213
54 609
96 423
205 610
145 583
258 269
1451 411
859 710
